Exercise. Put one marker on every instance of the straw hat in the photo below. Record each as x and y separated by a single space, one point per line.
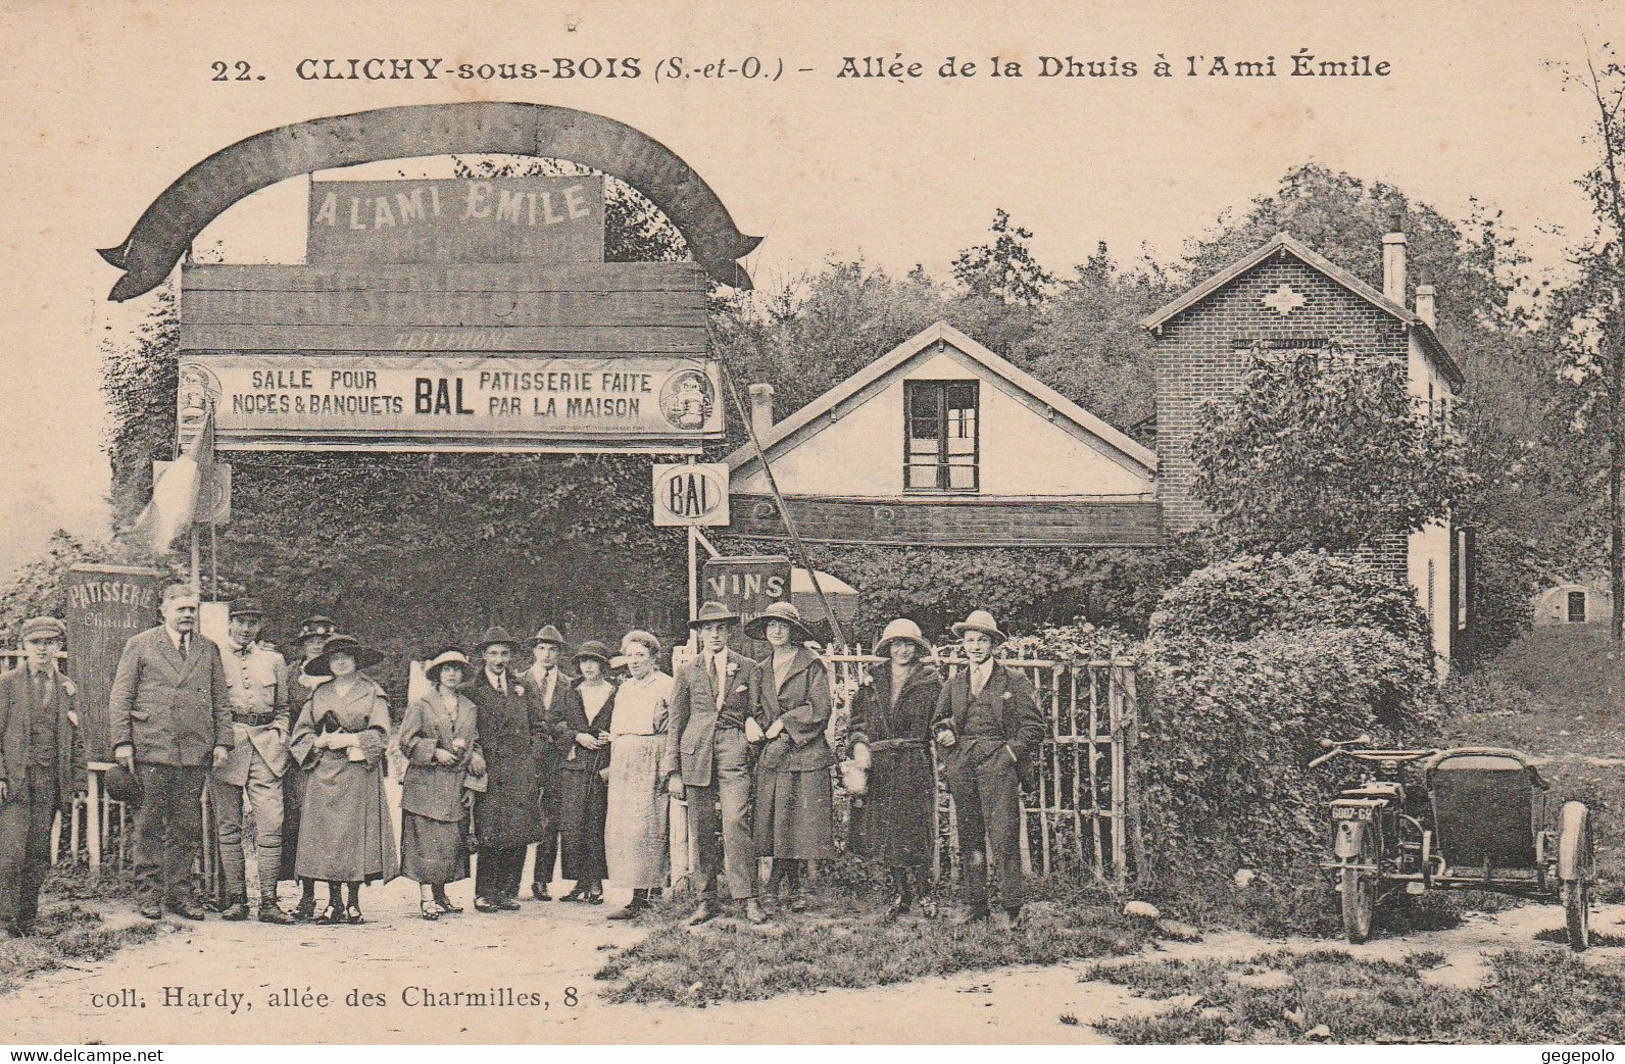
981 621
784 613
449 656
365 656
904 630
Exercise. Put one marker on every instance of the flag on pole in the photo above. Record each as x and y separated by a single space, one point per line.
175 492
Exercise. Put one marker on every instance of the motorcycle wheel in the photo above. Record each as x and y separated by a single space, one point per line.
1360 893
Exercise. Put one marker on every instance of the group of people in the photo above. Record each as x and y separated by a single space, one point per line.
575 766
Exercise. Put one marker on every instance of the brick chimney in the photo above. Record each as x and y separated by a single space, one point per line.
761 409
1393 260
1424 301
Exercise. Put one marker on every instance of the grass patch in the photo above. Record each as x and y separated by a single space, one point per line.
842 943
1283 997
63 936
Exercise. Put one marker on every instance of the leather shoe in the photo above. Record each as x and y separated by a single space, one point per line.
237 910
707 911
271 913
485 905
187 908
152 910
305 911
628 913
539 892
753 911
507 905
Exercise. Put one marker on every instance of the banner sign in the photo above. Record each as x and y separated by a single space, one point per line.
425 402
506 219
107 604
170 224
747 584
694 495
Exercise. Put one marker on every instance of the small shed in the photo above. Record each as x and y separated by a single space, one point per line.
1574 602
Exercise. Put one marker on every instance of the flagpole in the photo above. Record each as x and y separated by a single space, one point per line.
197 585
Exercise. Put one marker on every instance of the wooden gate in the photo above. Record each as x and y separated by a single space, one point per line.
1081 816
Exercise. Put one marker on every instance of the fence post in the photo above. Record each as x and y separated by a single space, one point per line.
1114 701
1131 779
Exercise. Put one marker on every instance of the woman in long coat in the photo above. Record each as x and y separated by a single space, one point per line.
895 824
635 831
585 799
794 810
345 832
440 741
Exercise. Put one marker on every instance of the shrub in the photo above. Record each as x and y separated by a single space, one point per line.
1243 597
1229 729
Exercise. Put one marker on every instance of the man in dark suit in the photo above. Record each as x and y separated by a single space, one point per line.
714 720
988 726
508 816
38 764
557 699
170 715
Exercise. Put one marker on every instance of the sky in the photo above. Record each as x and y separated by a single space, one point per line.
111 100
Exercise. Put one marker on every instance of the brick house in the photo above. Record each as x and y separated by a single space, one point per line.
940 442
1285 297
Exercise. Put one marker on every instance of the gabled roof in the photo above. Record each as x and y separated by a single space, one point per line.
855 385
1287 244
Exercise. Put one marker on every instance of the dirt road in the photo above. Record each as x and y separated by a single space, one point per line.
251 983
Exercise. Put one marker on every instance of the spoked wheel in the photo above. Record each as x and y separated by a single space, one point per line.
1360 892
1575 870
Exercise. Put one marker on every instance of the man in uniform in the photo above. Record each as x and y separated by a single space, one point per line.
253 772
313 633
707 760
170 717
38 726
988 727
552 740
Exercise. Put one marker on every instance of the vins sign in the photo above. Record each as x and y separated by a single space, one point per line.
691 495
748 584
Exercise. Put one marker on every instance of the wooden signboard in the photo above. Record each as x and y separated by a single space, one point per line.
107 604
502 219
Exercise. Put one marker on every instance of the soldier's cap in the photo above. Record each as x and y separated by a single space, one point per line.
246 607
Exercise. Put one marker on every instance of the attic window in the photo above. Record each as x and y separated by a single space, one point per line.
941 436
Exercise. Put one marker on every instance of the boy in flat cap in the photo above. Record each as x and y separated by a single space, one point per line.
38 729
255 678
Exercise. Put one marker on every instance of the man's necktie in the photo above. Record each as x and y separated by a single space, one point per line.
722 679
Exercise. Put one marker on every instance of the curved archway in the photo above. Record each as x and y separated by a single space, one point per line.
168 226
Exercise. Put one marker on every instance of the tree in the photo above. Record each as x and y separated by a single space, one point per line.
1325 452
1591 310
1004 269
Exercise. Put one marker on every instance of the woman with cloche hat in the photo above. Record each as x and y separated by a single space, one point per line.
345 833
894 824
440 739
585 797
795 804
636 826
